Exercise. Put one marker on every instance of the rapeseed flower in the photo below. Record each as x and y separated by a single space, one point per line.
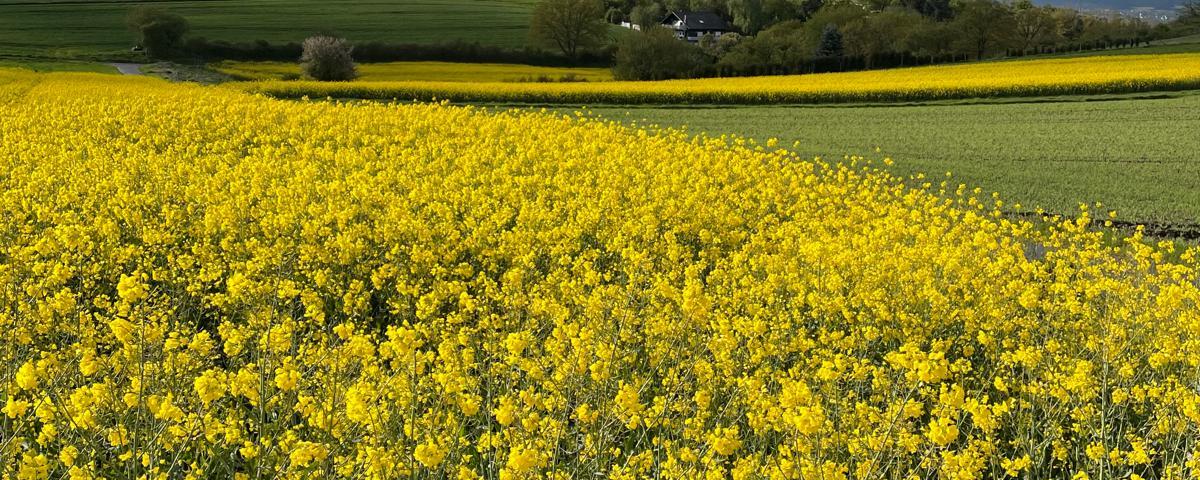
1038 77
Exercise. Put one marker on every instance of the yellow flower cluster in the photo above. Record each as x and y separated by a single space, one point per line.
1020 78
200 283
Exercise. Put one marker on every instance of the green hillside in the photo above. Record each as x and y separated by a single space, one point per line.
90 28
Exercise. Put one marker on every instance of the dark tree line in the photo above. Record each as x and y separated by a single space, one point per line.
1189 16
774 37
797 36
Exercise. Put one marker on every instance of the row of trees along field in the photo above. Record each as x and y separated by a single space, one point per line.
166 35
777 36
798 36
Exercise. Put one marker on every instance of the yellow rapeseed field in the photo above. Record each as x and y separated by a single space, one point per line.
200 283
1064 76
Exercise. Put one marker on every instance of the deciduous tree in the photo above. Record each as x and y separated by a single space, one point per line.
984 26
159 31
572 26
884 32
328 59
1192 8
935 9
1035 26
655 54
1189 12
647 14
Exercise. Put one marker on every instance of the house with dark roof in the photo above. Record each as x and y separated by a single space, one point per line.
691 26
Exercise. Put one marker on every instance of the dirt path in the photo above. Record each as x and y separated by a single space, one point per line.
128 68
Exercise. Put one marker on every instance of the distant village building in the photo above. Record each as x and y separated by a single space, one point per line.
691 26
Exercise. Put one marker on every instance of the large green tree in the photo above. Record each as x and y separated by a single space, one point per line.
572 26
984 27
785 44
933 39
647 14
935 9
888 31
159 31
655 54
1035 26
751 16
838 14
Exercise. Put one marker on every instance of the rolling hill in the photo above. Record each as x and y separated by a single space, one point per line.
1121 5
91 28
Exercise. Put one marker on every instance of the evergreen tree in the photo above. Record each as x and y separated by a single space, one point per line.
831 42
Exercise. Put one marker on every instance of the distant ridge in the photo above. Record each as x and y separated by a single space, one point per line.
1116 4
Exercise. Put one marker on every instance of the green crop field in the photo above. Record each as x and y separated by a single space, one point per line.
43 65
1181 45
423 71
96 28
1193 39
1136 155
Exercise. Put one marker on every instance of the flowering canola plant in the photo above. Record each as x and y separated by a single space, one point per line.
1019 78
200 283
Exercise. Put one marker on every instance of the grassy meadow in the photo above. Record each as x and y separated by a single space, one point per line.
1136 155
47 65
87 29
1183 44
421 71
1180 45
1193 39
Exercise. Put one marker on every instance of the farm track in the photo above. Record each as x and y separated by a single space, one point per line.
128 68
